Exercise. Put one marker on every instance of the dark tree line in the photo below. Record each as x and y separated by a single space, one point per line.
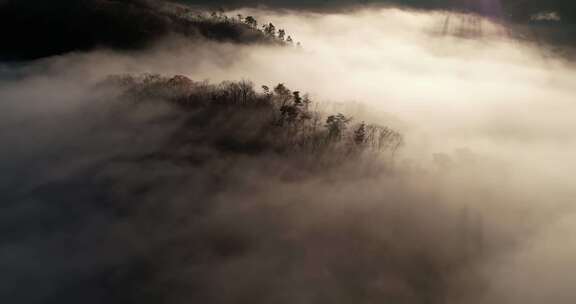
268 30
275 119
36 29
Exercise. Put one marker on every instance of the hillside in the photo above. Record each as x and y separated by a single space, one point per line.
47 28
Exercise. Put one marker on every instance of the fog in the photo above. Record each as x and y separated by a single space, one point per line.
488 125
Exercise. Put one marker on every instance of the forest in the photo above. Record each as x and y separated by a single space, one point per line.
47 28
234 116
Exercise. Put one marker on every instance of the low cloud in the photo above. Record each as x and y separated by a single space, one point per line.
476 204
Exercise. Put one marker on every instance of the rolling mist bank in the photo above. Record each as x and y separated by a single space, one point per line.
155 189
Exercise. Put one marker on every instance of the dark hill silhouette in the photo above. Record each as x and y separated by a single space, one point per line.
36 29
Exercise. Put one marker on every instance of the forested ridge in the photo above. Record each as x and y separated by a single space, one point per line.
233 116
37 29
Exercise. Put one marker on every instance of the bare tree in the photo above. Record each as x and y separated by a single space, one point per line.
247 91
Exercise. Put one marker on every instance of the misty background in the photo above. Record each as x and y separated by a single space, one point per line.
475 208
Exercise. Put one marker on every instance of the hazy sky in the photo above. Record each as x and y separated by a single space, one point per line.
515 9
